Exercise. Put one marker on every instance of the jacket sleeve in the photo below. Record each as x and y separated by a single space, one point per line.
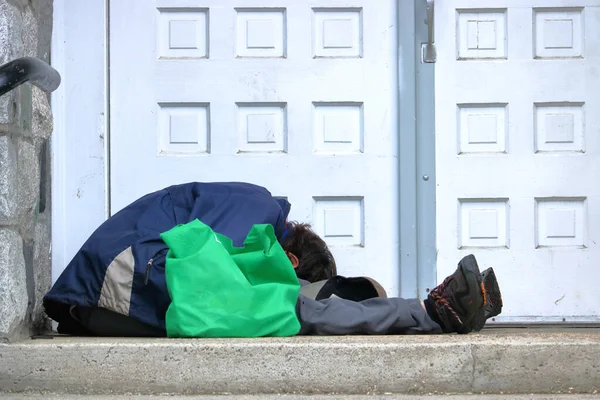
377 316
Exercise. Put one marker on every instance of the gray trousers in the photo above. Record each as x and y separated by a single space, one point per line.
333 316
376 316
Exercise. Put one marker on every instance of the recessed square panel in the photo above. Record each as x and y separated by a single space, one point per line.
338 128
184 128
334 34
337 32
481 34
561 222
483 223
559 127
262 128
261 32
487 36
482 128
558 33
340 220
182 33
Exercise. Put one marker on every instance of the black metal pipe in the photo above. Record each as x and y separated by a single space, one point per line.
28 69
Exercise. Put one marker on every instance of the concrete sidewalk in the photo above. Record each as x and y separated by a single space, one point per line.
307 397
494 361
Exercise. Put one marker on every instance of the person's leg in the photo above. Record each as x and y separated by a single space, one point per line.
103 322
344 305
375 316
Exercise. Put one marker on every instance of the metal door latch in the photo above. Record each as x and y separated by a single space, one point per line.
428 51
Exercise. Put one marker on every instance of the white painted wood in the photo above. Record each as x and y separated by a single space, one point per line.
520 189
297 95
79 195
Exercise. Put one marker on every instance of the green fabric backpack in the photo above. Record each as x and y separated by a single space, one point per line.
218 290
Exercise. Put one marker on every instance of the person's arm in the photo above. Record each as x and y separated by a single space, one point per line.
377 316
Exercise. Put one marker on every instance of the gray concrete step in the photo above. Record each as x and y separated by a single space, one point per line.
301 397
496 361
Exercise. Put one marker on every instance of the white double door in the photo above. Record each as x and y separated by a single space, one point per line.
518 150
298 96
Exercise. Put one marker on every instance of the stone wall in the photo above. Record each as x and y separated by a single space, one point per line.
25 128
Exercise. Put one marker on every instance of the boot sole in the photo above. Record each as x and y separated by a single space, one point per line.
469 263
493 299
470 269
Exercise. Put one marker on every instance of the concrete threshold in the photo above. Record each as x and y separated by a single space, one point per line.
303 397
495 361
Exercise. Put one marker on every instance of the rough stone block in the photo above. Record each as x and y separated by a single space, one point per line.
42 270
14 118
8 108
13 283
43 11
25 125
28 186
24 112
41 114
11 26
8 181
15 111
19 3
30 33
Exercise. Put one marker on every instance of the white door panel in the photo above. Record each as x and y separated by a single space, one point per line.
518 150
298 96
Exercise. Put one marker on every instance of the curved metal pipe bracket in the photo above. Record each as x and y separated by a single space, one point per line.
28 69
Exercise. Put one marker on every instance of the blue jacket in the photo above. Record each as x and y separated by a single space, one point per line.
121 267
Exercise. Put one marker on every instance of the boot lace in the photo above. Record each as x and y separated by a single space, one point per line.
441 300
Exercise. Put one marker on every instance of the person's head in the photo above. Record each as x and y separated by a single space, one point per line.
308 253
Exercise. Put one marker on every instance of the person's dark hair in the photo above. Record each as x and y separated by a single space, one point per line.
316 262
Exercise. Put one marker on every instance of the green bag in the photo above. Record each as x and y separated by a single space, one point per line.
218 290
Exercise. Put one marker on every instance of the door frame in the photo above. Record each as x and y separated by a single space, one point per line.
416 126
81 140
